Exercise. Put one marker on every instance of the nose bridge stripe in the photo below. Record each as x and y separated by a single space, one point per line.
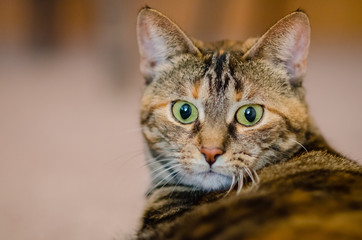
212 136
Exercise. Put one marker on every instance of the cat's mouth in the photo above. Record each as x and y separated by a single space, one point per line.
210 180
216 180
212 171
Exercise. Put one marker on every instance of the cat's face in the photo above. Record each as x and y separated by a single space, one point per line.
213 114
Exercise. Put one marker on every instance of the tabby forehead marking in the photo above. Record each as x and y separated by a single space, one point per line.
218 73
219 81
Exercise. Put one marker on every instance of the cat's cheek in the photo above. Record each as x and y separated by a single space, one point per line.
170 128
195 165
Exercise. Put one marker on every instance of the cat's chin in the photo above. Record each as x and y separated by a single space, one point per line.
209 181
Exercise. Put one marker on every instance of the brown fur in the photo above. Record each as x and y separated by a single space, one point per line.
306 189
297 199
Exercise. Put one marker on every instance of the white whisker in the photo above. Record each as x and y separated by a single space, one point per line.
173 177
305 149
149 163
162 180
194 188
247 170
156 158
257 179
179 181
233 182
165 170
162 166
240 182
163 162
124 159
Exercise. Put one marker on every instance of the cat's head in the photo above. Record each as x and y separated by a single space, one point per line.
213 113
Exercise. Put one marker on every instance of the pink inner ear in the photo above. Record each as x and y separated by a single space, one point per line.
147 43
152 46
302 44
299 51
159 39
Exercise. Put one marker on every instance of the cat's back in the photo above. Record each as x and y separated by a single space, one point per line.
316 195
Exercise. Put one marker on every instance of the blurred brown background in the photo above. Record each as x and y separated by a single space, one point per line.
71 164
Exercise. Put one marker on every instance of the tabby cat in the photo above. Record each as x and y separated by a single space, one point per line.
232 150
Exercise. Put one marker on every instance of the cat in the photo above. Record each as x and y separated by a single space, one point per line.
232 149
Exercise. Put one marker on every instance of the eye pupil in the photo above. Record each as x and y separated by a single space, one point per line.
250 114
185 111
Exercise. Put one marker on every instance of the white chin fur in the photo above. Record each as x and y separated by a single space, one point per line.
208 181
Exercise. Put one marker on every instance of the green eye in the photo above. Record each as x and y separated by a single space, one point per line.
185 112
249 115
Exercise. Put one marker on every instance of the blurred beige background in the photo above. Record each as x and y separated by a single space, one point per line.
71 164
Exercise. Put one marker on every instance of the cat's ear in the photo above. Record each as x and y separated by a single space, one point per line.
159 39
286 44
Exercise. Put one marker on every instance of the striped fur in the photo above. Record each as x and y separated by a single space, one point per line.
191 199
316 195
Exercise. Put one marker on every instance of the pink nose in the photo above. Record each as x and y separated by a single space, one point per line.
211 154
